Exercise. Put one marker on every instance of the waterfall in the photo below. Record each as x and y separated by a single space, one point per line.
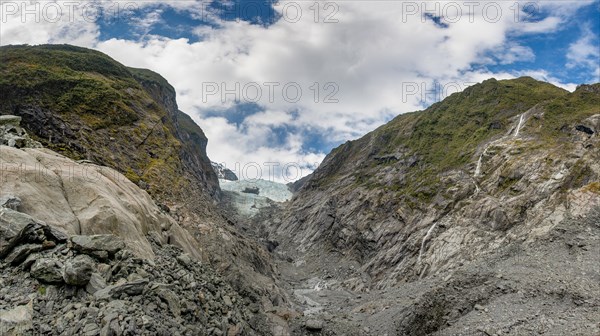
519 125
424 241
478 168
480 161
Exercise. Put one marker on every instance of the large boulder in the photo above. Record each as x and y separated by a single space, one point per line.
96 244
16 321
78 270
18 229
47 270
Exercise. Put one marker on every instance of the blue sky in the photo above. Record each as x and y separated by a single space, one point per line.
239 66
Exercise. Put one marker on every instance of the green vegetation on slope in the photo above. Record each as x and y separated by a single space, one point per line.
83 104
448 135
565 111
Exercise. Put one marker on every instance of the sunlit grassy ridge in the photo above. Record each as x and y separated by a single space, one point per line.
85 105
448 135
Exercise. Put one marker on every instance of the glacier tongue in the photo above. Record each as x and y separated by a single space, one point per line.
274 191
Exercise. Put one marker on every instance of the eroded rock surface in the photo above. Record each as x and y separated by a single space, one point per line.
85 199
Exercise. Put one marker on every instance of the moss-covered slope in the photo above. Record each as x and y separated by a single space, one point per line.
83 104
450 133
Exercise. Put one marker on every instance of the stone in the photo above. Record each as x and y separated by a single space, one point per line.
227 301
47 270
104 293
48 244
12 224
45 328
101 255
20 253
131 288
111 328
91 329
26 265
251 190
184 259
234 330
16 321
163 291
55 234
313 325
78 270
584 129
17 228
10 202
95 243
116 306
95 284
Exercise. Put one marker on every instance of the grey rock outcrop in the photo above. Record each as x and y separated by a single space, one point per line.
83 199
223 173
78 270
12 135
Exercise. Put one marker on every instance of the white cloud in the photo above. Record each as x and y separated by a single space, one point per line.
47 22
585 53
380 59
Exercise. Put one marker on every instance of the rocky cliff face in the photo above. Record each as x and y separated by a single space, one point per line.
224 173
503 161
86 107
83 104
83 250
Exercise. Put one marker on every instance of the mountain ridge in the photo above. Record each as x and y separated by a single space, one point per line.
387 190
